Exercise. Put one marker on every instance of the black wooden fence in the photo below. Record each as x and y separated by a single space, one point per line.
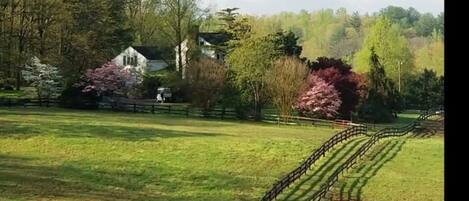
383 133
174 109
294 175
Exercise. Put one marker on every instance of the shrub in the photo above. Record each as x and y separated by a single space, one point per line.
424 91
286 77
109 79
74 97
206 79
319 99
150 84
349 84
45 78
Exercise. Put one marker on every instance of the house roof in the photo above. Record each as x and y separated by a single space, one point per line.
215 38
149 52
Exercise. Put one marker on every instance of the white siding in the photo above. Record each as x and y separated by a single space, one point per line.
143 64
130 52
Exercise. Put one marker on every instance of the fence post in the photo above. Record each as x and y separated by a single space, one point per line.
9 102
47 102
223 113
169 109
153 108
135 107
187 111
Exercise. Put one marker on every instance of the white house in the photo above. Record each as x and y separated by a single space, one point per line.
208 43
141 58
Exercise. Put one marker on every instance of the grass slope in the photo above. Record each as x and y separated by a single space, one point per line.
59 154
409 169
308 184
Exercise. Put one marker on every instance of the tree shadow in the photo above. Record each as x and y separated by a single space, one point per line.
20 130
168 119
22 178
352 187
314 180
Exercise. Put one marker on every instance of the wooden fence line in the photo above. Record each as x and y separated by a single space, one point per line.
188 111
383 133
294 175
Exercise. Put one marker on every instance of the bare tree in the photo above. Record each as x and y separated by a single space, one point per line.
206 78
284 82
178 17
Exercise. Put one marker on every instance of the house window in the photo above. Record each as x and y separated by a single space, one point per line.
135 61
129 61
125 61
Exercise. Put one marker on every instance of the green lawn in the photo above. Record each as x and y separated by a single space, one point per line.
58 154
398 169
25 92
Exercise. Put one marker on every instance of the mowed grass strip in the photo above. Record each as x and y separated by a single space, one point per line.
59 154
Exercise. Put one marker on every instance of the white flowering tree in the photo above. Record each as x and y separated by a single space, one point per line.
44 77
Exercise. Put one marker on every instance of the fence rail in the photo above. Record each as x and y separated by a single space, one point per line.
294 175
138 106
383 133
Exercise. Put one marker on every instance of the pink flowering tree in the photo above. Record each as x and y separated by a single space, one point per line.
106 80
319 99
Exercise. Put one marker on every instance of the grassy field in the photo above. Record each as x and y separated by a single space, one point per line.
59 154
399 169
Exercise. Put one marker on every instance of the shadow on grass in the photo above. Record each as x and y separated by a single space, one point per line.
20 130
109 115
314 180
22 178
352 188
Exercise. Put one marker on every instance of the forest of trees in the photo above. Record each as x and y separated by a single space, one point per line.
79 35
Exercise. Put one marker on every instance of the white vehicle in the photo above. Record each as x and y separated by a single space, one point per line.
163 94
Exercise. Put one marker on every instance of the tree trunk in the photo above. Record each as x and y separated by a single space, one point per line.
179 38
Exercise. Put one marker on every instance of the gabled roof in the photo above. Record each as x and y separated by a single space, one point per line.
215 38
149 52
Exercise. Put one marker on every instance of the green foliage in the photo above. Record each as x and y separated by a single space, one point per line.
431 55
404 17
390 46
178 86
249 63
424 91
149 86
74 97
287 43
426 24
383 101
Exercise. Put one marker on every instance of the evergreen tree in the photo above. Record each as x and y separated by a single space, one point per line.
382 103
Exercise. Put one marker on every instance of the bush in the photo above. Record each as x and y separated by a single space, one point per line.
375 112
319 99
178 86
73 97
206 79
150 84
7 84
424 91
231 97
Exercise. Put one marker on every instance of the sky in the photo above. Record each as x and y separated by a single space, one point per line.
268 7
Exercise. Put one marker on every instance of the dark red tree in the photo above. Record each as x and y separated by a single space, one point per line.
349 84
